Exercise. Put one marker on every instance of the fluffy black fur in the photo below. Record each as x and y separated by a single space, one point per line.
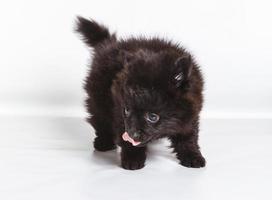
150 88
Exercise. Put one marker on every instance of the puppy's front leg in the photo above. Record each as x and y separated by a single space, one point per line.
133 157
187 149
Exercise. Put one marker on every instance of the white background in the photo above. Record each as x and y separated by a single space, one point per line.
45 143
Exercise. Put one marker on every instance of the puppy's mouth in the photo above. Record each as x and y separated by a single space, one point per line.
127 138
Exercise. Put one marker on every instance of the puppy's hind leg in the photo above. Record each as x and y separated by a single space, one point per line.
102 123
104 139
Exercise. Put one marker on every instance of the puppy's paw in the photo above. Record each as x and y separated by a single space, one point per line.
103 144
132 163
192 160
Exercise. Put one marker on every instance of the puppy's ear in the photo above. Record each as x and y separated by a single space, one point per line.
140 53
126 57
182 70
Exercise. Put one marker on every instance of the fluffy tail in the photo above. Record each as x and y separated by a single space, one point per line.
92 32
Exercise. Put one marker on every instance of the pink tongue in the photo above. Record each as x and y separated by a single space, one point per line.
126 137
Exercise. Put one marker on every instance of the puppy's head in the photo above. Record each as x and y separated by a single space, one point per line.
155 94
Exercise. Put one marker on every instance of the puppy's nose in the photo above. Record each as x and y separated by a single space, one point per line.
136 135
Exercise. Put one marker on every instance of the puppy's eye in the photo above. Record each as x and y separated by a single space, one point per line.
152 117
126 111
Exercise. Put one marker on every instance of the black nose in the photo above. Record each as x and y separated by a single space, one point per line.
136 135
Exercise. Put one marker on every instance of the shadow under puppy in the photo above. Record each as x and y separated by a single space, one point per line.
140 90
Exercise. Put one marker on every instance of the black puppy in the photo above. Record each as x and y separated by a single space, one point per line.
140 90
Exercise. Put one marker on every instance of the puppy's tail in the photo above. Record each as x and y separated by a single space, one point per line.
92 32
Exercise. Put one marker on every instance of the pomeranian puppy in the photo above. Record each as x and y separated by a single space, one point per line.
140 90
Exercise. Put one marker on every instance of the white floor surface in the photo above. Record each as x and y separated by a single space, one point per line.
44 158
